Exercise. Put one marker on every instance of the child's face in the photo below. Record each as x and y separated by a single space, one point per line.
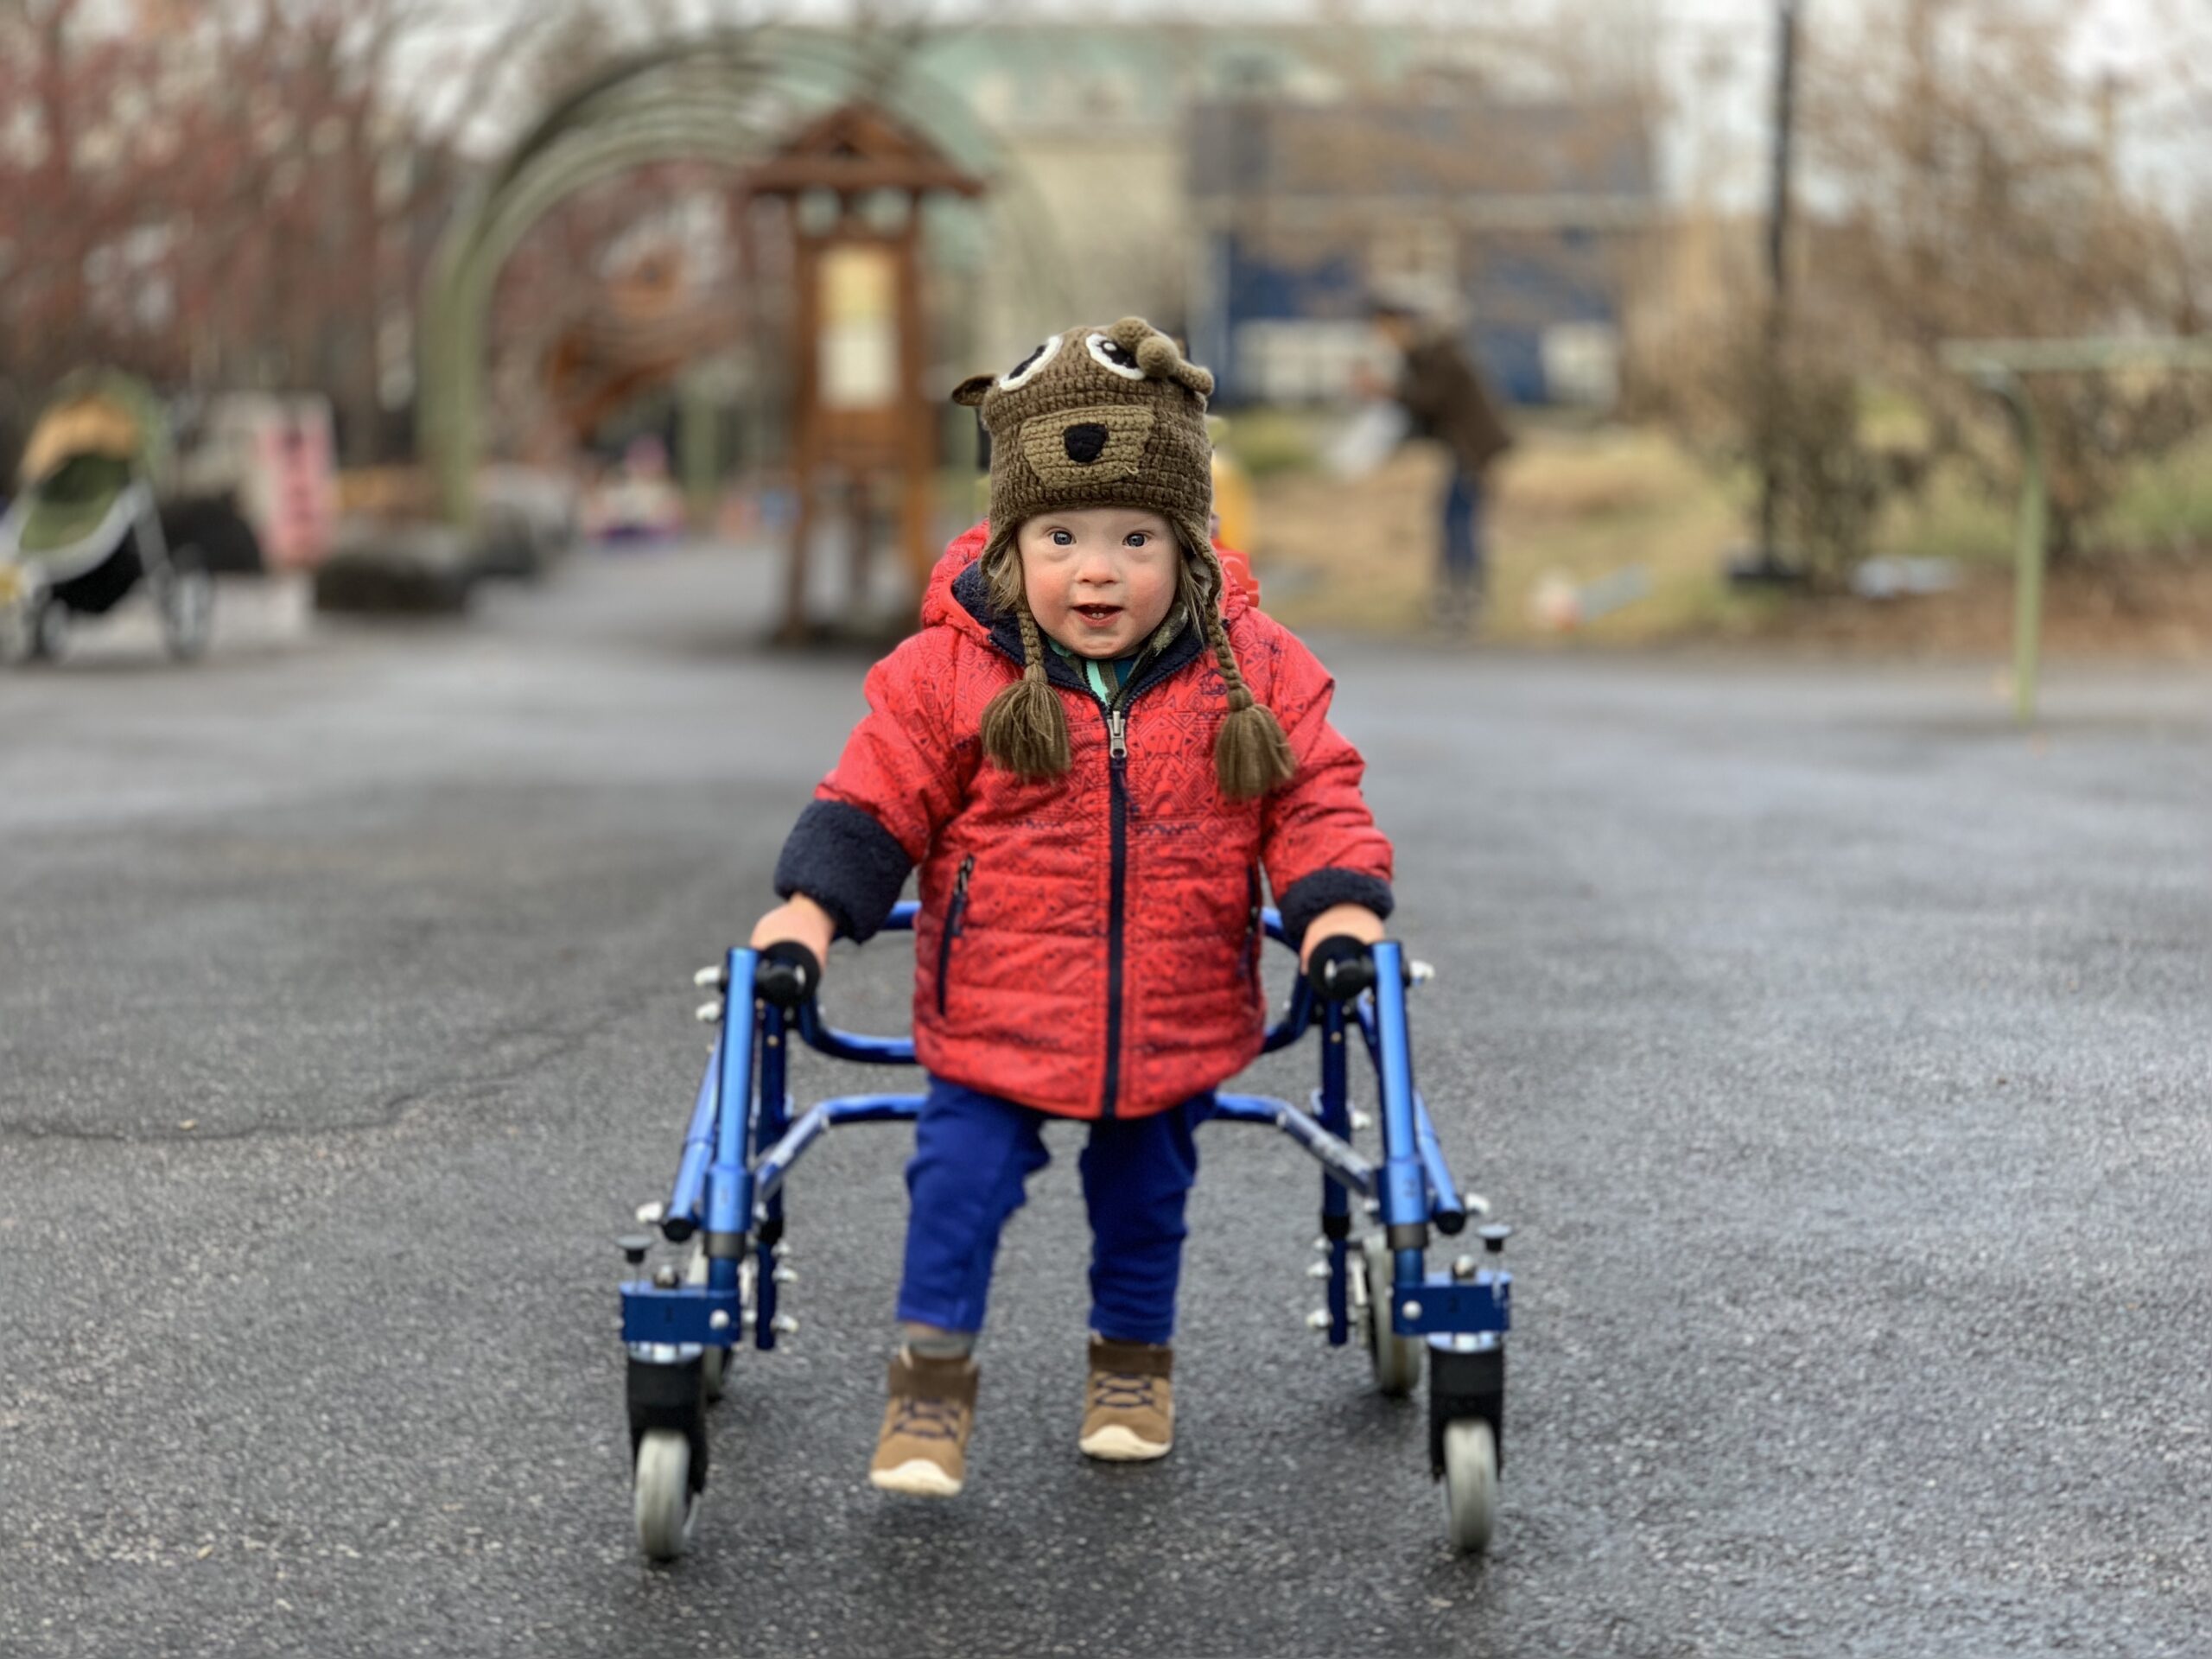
1100 580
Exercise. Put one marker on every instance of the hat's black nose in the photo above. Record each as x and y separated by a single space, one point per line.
1084 443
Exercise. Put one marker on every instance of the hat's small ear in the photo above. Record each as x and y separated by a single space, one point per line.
1158 358
972 390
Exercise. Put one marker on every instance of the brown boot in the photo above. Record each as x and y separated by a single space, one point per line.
1129 1414
923 1450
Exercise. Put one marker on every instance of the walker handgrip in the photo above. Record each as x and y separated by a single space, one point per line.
1339 969
788 974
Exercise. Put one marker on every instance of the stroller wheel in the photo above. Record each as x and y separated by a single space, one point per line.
185 594
49 631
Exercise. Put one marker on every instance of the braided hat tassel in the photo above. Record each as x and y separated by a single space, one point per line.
1025 729
1251 756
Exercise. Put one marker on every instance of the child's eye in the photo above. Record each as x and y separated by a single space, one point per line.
1135 539
1062 538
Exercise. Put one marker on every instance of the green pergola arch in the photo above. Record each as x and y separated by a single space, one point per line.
729 99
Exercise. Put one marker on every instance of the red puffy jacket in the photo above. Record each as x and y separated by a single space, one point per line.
1088 945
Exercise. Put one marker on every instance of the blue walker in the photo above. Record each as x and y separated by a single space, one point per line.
716 1286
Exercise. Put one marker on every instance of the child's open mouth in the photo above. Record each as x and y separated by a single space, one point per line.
1098 616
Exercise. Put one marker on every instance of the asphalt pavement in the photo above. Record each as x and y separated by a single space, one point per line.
1840 1053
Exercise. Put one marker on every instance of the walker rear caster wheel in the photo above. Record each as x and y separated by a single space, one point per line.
714 1363
1396 1359
1470 1484
664 1502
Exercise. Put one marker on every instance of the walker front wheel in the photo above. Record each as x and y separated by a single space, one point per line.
665 1506
1470 1484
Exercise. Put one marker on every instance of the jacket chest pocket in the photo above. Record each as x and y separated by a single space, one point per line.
956 922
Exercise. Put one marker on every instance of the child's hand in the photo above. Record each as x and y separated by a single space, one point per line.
800 920
1338 921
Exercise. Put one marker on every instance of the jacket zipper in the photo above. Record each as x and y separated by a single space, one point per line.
1117 772
1117 754
954 918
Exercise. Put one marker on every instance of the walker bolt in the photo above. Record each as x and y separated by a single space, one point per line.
1362 1121
1317 1270
651 1214
784 1276
1463 1270
1476 1204
715 978
718 1320
1321 1243
786 1325
1409 1310
708 1013
1318 1319
667 1276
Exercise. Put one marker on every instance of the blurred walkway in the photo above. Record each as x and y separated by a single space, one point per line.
1840 1052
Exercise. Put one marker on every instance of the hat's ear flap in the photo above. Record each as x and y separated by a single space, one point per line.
972 390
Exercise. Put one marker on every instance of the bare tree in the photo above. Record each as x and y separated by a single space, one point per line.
1966 182
236 194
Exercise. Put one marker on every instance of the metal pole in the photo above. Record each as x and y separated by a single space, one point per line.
2032 548
1785 111
1778 263
1762 564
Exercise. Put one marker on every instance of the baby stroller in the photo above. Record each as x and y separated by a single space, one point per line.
86 529
705 1283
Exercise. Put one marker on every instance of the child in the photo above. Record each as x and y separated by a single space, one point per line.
1091 751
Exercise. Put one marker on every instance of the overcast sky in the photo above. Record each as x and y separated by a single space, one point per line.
1716 56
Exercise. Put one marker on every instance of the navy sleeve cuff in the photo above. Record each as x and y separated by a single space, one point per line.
1308 896
847 862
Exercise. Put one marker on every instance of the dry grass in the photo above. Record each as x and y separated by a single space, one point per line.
1361 553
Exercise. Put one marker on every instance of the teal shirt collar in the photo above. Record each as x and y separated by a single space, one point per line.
1105 678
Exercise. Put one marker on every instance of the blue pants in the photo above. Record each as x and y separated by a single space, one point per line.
1463 534
973 1154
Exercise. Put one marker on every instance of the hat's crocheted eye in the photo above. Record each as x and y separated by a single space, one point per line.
1112 354
1025 371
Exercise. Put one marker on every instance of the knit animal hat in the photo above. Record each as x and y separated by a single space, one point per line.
1108 417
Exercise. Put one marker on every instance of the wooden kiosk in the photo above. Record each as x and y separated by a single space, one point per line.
859 408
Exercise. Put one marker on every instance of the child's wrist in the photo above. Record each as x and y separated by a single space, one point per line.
1340 921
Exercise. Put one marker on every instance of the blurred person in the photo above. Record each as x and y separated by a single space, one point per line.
1092 750
1446 401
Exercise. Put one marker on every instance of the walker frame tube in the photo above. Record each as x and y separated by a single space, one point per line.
742 1143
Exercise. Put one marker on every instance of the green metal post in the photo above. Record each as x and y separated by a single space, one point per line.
698 436
2033 545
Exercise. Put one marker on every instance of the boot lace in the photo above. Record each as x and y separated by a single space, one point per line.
927 1419
1122 1390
